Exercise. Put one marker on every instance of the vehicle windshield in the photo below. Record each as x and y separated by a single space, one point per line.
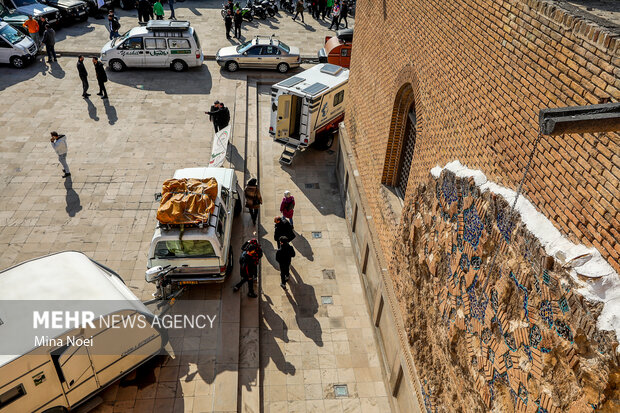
22 3
120 39
241 48
285 47
11 35
184 249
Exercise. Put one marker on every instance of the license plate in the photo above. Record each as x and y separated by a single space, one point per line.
188 282
82 13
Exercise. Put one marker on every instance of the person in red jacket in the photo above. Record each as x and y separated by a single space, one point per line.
287 207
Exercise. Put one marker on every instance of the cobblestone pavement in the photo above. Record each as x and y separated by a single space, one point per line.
205 17
307 344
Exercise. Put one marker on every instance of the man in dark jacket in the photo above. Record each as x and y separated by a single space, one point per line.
83 76
282 229
238 20
102 77
284 255
213 115
344 10
223 117
144 10
49 39
249 261
228 23
113 25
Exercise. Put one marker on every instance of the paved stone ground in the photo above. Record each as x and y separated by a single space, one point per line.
307 347
205 16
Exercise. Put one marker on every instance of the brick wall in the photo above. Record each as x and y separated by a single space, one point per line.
481 70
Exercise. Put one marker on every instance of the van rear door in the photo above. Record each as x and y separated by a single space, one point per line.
74 364
283 124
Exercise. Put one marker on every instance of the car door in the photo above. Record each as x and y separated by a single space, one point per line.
252 57
271 56
5 51
132 52
156 52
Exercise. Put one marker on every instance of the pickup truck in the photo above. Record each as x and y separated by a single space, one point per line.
34 9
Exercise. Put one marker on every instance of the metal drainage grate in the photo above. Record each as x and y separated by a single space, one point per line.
313 186
327 299
329 275
317 234
341 390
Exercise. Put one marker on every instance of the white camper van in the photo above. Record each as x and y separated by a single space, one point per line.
308 107
199 253
51 360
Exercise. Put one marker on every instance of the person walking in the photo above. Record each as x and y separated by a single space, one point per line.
248 269
344 11
158 9
238 20
282 228
33 30
299 9
83 76
113 25
171 4
284 254
335 16
49 39
213 115
287 207
228 23
223 117
253 198
321 5
102 77
59 143
329 5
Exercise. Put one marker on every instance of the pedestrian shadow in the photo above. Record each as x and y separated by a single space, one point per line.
302 245
273 327
92 110
195 11
72 198
303 300
110 112
56 70
235 158
269 251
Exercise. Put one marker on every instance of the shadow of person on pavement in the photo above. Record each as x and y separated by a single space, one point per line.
272 326
303 300
302 245
269 251
92 110
56 70
110 111
72 198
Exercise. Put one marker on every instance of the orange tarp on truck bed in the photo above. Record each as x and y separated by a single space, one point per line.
187 201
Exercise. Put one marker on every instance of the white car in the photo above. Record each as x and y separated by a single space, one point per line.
161 43
15 48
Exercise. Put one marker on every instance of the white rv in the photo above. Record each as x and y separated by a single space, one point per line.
199 253
51 358
307 108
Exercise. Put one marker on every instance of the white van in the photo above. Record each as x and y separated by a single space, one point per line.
51 360
161 43
15 48
199 254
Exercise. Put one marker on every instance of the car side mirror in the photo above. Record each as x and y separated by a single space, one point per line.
245 53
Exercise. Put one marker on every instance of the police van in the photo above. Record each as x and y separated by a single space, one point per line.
161 43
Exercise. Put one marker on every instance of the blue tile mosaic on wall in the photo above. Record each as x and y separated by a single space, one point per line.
473 226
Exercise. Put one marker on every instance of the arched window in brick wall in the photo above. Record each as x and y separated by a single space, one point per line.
401 141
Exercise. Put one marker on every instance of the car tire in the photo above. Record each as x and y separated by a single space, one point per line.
231 263
237 208
232 66
17 62
179 66
117 65
283 68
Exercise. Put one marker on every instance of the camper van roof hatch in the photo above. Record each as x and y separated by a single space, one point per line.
167 25
292 81
314 88
331 69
